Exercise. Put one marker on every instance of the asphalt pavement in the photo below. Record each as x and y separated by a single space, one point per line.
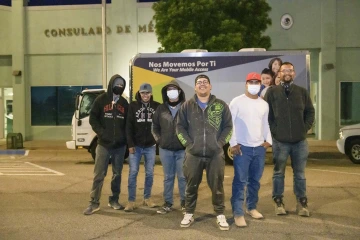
44 193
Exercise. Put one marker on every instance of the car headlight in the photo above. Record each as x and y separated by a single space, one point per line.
341 135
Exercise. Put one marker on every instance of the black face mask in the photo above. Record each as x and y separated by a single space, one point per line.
118 90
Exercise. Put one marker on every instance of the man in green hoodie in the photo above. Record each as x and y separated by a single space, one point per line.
107 119
204 126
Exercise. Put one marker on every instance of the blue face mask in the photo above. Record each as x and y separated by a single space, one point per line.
172 94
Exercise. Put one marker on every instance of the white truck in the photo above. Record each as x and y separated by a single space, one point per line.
349 142
82 134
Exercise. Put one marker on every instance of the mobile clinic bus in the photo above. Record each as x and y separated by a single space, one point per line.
226 70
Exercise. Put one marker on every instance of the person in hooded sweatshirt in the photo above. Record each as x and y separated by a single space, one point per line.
107 119
141 143
171 151
204 126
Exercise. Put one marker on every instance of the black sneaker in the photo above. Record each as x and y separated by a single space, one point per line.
183 209
302 208
279 206
166 208
116 206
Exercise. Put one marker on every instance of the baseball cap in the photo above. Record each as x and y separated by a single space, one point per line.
253 76
145 87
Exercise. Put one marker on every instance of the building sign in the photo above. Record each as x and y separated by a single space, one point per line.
93 31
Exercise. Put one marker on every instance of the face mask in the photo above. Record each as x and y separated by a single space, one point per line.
173 94
118 90
253 89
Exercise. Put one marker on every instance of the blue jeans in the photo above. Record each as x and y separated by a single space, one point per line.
100 170
172 162
298 153
134 163
248 170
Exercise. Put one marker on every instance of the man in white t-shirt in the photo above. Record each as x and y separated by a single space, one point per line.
250 139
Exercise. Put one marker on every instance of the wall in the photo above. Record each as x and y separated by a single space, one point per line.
5 18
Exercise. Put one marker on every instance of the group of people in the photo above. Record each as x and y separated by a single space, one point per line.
191 135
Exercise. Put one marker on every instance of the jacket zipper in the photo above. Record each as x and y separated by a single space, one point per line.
114 117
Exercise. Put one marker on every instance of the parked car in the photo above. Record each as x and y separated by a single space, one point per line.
349 142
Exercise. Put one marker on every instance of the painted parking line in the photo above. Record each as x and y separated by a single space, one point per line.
26 168
322 170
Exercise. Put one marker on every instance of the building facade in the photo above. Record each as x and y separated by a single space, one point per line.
47 53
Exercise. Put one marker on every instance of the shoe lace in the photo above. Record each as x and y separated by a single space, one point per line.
221 218
188 216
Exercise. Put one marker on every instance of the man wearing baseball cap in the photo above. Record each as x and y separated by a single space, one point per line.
250 139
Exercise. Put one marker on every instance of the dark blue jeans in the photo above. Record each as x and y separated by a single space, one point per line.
172 162
100 170
134 164
298 153
248 170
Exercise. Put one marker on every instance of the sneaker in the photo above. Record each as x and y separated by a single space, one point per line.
254 214
240 221
166 208
279 206
183 209
116 206
149 203
187 220
91 209
222 223
130 206
302 208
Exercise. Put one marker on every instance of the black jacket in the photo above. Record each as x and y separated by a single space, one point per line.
204 132
164 125
139 120
289 117
108 119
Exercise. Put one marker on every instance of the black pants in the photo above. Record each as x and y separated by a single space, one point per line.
193 171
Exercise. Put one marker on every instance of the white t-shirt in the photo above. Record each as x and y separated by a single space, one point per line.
250 121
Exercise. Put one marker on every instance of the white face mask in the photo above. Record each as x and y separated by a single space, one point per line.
253 89
173 94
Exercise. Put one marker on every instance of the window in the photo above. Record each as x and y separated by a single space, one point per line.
63 2
86 104
54 106
349 103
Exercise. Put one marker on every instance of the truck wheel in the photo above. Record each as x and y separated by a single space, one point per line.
229 158
354 153
93 150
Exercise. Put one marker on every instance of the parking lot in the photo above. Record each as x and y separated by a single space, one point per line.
44 194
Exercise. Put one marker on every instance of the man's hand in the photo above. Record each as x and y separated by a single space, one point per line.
266 145
132 150
235 150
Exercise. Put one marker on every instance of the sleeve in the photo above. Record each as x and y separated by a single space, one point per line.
155 126
182 126
130 128
271 118
233 111
309 112
95 115
266 128
227 124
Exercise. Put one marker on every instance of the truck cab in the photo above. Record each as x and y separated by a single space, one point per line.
81 132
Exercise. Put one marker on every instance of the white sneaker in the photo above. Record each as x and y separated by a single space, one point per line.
222 223
255 214
187 220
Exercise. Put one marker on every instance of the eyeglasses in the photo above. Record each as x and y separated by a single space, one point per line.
145 93
287 71
205 82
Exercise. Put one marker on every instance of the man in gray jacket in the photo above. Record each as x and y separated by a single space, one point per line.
204 126
291 115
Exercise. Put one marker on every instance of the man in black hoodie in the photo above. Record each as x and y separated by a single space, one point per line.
141 143
170 149
204 126
107 119
291 115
